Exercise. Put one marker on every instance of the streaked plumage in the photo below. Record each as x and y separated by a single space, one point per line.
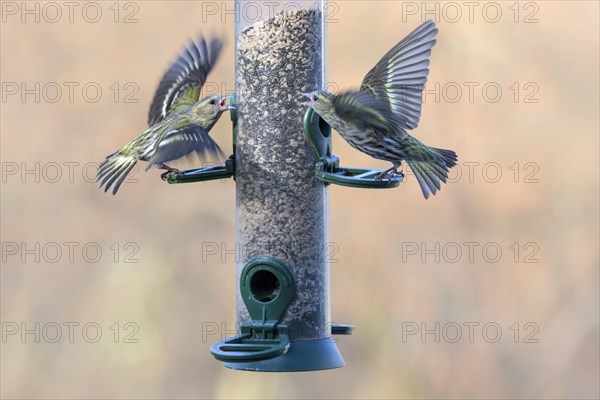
178 121
375 119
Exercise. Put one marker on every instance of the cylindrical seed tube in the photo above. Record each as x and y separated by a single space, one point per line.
282 209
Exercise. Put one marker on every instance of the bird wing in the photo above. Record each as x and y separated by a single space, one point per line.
365 111
180 86
400 76
183 141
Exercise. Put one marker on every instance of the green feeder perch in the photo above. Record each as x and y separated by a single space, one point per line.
327 168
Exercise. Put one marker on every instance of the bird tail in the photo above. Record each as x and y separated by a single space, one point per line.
114 169
430 166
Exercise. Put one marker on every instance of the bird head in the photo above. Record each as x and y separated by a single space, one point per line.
215 103
210 108
320 101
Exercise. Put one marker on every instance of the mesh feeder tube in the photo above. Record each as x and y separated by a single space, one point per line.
282 209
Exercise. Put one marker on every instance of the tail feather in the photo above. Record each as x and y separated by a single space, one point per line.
114 169
427 178
432 172
448 156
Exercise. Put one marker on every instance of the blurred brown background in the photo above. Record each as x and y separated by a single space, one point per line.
540 134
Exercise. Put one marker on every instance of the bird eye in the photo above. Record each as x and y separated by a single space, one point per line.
212 102
315 98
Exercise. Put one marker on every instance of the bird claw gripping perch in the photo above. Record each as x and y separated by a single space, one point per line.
327 168
388 174
170 172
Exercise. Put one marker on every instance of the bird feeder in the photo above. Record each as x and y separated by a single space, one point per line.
282 166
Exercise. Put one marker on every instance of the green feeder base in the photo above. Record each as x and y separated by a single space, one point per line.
267 286
303 355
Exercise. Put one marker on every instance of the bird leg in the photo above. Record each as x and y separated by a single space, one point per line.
389 173
170 171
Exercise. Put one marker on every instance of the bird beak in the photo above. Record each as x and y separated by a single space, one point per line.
224 106
309 102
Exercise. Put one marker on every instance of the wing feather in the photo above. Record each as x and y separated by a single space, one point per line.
365 111
399 77
180 85
181 142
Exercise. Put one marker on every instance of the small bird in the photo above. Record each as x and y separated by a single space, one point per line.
375 118
178 122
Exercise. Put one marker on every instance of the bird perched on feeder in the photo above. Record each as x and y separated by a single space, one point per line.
375 118
178 121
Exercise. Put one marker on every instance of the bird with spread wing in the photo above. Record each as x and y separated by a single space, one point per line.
375 118
178 121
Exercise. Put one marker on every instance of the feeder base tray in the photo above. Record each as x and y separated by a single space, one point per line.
303 355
